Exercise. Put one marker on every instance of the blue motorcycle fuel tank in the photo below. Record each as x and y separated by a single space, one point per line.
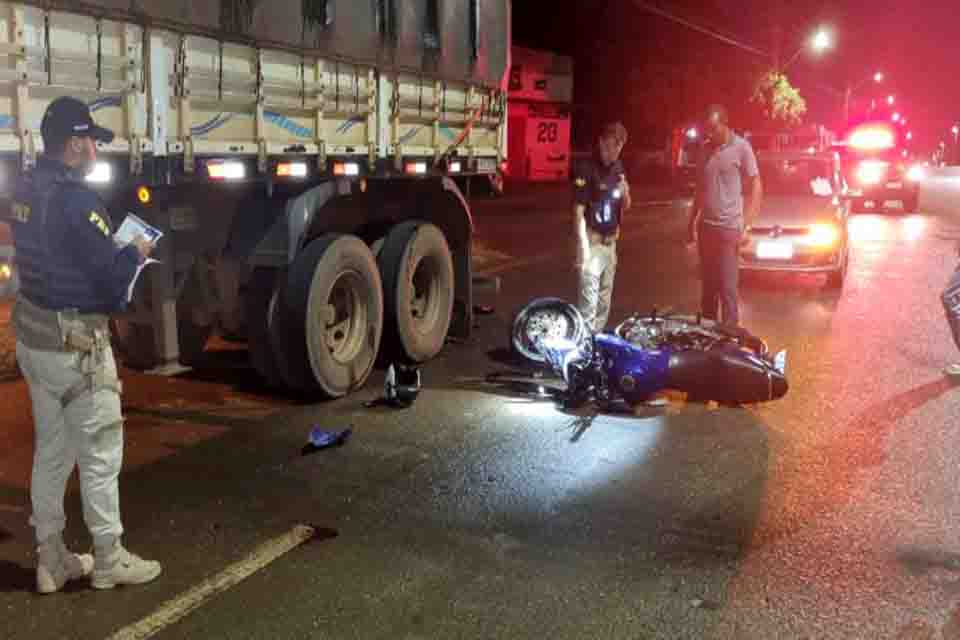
634 373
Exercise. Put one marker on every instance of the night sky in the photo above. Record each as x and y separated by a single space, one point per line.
916 45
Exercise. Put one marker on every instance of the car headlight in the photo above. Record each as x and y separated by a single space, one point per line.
822 234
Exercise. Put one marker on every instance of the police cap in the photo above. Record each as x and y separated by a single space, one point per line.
67 117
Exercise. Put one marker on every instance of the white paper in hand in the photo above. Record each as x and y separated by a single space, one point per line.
134 226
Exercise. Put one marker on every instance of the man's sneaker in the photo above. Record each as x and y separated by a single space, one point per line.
57 566
952 370
122 567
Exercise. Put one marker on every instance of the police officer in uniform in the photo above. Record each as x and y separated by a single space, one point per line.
72 276
601 196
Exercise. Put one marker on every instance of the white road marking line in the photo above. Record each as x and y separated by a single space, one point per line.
178 608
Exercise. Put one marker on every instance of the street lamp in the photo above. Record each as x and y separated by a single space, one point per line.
896 117
878 76
890 100
819 42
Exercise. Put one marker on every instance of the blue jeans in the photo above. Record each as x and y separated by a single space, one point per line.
719 248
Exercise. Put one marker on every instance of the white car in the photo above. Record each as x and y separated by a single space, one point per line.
802 223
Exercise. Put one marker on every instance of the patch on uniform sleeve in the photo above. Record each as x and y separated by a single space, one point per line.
97 220
20 212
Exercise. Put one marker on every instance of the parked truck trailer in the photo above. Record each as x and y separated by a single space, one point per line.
298 156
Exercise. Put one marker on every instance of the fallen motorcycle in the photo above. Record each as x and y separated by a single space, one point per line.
647 354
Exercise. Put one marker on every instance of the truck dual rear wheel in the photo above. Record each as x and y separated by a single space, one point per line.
330 320
417 271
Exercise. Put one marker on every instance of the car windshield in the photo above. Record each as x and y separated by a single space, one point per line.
796 177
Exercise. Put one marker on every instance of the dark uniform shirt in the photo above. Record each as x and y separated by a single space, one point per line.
595 187
67 259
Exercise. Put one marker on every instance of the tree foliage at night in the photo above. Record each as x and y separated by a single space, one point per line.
780 100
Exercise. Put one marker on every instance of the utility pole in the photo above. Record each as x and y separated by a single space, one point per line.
776 32
846 104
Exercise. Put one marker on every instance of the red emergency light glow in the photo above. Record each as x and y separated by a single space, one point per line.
872 138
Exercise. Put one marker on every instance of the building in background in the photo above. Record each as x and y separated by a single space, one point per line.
539 115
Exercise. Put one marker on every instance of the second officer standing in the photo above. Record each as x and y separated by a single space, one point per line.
601 195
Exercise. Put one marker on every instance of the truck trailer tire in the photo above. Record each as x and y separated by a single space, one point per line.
262 294
331 317
418 282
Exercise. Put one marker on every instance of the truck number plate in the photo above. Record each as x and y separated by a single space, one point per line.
773 250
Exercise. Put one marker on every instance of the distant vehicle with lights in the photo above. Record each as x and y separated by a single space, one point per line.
802 223
879 170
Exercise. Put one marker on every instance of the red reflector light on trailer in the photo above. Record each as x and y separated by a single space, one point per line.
226 170
292 170
416 168
346 169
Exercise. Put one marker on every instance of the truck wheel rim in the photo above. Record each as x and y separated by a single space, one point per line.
344 323
425 293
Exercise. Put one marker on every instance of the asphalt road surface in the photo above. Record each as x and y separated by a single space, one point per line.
484 513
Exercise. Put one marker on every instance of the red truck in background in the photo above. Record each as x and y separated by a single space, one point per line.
539 108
